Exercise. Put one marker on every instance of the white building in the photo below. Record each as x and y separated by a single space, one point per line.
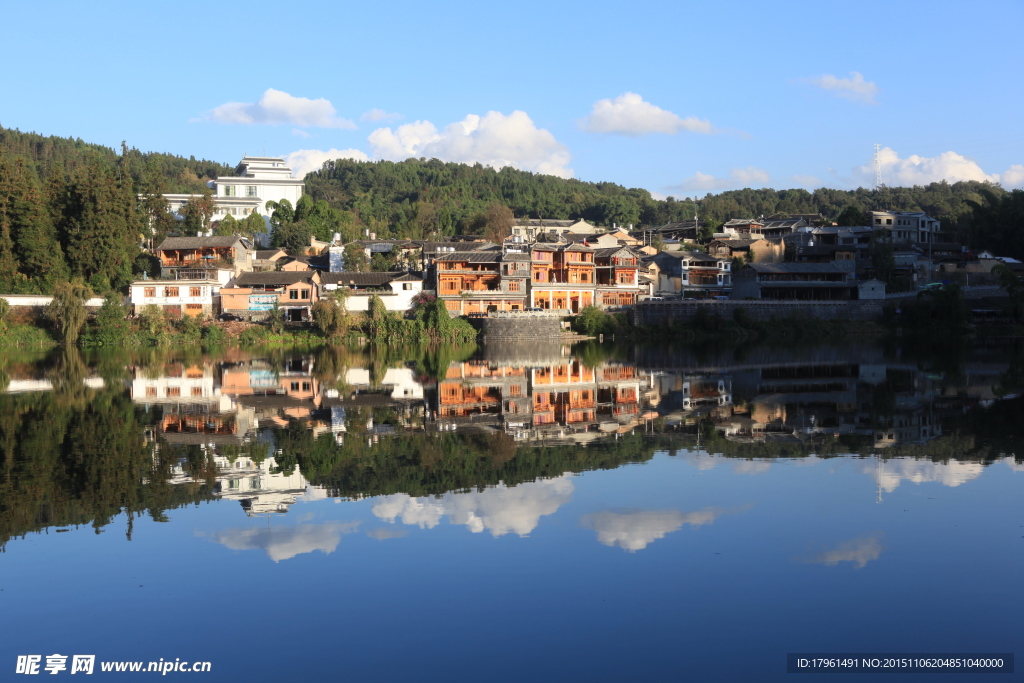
257 180
907 226
188 297
402 288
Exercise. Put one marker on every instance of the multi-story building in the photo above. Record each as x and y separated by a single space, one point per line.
193 258
692 274
472 282
906 226
177 297
257 180
801 281
254 295
563 277
617 271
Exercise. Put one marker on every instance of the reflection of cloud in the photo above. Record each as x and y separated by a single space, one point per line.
285 542
633 530
858 551
383 533
500 510
890 473
751 466
1014 465
701 460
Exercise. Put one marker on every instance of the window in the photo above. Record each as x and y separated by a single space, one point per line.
193 307
170 291
513 286
305 294
307 386
407 286
150 391
174 391
195 291
229 191
293 294
150 292
295 386
250 190
197 391
888 221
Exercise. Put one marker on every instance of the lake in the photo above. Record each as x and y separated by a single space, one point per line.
509 513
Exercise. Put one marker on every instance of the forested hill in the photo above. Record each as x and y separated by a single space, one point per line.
165 172
419 197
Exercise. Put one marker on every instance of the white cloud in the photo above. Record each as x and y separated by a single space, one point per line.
629 114
299 133
948 166
807 181
304 161
858 551
889 473
854 88
634 530
276 107
500 510
495 139
737 178
379 115
384 533
1013 178
1012 463
285 542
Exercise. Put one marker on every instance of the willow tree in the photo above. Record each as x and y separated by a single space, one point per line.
67 310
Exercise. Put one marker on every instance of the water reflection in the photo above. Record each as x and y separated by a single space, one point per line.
487 440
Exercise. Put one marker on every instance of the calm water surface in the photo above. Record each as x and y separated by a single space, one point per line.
508 514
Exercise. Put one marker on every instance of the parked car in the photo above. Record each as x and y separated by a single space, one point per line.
229 317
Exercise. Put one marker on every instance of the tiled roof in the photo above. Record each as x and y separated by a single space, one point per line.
200 242
281 278
378 279
264 254
471 256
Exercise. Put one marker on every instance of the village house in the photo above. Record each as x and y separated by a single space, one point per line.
750 250
475 282
692 274
617 272
176 297
906 226
254 295
530 229
191 258
395 289
794 281
563 277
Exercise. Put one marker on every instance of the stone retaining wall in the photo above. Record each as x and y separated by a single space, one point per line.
660 312
523 327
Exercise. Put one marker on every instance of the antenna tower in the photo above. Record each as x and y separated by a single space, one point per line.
878 166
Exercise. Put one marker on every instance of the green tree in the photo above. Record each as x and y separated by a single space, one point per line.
197 211
111 326
499 220
355 258
67 309
226 226
852 216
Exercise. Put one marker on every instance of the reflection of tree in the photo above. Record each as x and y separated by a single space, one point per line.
81 461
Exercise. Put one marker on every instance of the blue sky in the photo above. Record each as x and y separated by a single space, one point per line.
678 98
